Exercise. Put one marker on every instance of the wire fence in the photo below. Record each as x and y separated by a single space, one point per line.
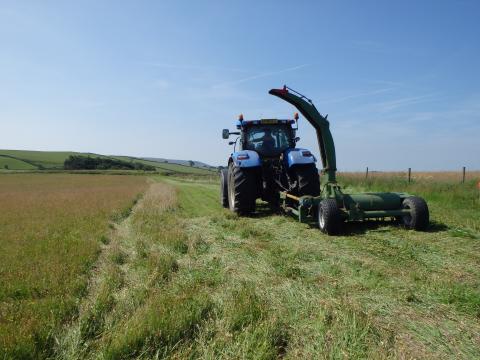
462 175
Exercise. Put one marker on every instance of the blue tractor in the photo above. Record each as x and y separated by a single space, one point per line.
264 163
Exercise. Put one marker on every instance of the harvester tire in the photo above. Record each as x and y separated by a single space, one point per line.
242 189
308 180
224 187
419 217
329 217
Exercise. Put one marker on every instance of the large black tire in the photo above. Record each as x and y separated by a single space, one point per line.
242 189
307 179
329 217
419 217
224 187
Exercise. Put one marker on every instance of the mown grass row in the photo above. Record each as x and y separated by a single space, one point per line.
269 306
227 288
134 308
173 294
283 289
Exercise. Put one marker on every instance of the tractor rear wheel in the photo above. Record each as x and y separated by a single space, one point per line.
307 179
329 216
419 215
242 191
224 187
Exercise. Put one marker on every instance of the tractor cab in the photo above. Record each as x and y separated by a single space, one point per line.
268 139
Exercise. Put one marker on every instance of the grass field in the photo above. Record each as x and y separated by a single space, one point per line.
51 228
11 163
47 159
180 277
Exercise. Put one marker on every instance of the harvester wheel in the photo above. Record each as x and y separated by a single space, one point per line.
329 216
224 187
308 180
241 189
419 215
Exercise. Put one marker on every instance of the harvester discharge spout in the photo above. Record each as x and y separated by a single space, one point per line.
320 124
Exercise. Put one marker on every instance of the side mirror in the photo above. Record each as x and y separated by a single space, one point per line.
297 139
225 133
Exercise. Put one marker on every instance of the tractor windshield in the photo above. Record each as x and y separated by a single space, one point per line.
267 140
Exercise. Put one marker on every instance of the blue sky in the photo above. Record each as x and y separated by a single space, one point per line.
400 80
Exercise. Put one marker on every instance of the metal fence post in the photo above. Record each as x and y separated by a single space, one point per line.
409 175
366 173
463 175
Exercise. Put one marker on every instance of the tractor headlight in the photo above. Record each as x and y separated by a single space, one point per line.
243 157
306 153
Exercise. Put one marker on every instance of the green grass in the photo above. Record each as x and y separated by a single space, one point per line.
219 286
14 164
181 277
47 159
376 291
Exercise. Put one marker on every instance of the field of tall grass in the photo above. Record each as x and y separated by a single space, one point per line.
416 176
51 227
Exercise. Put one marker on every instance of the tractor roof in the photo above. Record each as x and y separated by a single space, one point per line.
243 123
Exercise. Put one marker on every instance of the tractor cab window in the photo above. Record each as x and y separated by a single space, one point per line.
267 140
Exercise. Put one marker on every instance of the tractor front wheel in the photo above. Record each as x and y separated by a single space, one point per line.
242 191
419 215
329 216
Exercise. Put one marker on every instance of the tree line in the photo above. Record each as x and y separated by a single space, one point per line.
79 162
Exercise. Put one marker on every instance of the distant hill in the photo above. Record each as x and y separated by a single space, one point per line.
7 162
52 160
181 162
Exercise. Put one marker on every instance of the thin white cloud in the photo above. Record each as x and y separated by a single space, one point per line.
353 96
262 75
192 67
394 104
387 82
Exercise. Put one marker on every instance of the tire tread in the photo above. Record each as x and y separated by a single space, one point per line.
243 181
420 216
332 216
